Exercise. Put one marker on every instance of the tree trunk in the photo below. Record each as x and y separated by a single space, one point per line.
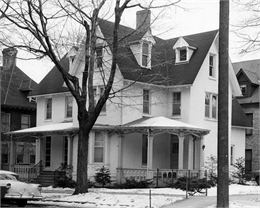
82 160
223 122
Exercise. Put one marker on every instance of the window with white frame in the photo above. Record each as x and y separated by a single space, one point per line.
5 122
25 121
243 89
99 58
146 101
144 149
212 66
145 54
98 92
48 114
69 104
183 54
176 103
98 148
211 105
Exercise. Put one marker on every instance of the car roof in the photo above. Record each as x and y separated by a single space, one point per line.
8 172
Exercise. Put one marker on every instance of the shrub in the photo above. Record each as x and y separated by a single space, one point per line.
211 168
102 176
240 172
195 185
64 181
131 183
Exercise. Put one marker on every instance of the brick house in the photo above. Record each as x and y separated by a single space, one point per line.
248 76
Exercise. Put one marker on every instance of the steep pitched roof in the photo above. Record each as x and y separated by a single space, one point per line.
15 86
164 71
53 81
238 116
251 70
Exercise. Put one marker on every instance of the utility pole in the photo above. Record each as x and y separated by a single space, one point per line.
223 123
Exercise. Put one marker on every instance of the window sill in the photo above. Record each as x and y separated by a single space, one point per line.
103 114
176 116
181 62
68 119
48 120
213 78
211 119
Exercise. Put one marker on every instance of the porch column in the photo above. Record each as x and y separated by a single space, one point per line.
202 149
70 149
181 149
190 154
150 155
120 158
12 154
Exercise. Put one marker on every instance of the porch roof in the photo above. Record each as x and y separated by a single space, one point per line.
56 128
161 123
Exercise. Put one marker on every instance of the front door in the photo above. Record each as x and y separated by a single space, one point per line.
47 152
174 152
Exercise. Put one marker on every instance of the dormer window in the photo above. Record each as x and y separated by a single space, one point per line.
145 54
183 51
243 90
183 54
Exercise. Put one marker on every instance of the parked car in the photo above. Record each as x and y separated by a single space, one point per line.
15 191
256 176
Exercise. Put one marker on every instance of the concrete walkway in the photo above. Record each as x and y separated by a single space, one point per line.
205 201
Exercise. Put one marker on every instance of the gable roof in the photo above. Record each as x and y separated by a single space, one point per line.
164 71
239 118
53 82
15 87
251 65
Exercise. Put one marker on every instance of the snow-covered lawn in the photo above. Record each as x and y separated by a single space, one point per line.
137 198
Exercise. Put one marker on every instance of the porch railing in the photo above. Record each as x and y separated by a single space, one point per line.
27 172
161 176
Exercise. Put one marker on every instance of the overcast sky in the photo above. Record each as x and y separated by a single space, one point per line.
198 16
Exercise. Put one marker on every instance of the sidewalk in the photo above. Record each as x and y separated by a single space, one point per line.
206 201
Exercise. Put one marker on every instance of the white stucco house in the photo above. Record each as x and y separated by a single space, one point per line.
165 119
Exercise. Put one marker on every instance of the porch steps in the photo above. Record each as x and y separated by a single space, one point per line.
46 178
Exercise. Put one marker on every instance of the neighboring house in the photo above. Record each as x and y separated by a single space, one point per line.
17 112
248 76
167 118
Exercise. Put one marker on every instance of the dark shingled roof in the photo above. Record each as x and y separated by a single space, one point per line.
238 116
164 71
53 81
15 86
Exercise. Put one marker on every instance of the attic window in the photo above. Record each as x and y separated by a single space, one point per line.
183 54
145 54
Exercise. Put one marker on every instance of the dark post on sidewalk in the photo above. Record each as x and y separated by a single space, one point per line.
223 123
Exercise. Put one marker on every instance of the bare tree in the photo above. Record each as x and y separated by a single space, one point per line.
247 29
39 26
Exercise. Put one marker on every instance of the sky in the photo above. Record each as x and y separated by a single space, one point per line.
197 16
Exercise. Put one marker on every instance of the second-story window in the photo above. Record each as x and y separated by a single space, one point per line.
211 101
48 108
25 121
145 54
146 101
212 67
99 52
5 122
69 104
98 92
176 103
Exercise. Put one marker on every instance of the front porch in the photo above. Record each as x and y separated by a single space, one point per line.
155 148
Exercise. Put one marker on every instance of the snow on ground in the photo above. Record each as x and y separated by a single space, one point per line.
137 198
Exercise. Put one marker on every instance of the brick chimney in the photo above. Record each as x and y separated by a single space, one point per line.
143 20
9 57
